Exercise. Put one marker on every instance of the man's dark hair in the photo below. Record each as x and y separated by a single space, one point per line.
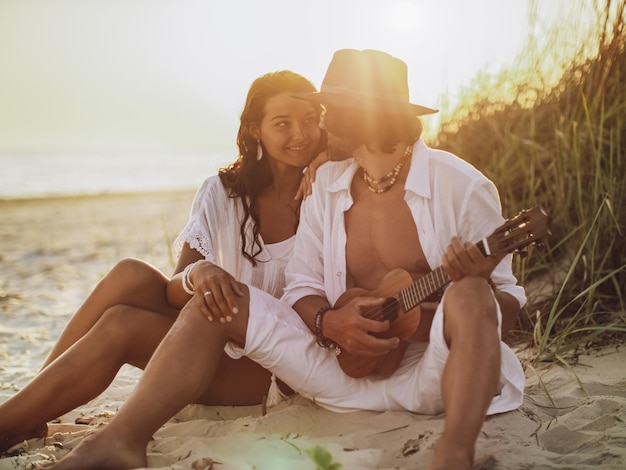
384 127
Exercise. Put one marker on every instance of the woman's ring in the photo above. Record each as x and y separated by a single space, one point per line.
207 293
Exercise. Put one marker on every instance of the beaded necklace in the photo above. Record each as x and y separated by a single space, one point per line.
393 174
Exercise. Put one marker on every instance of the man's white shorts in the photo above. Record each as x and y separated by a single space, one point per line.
279 340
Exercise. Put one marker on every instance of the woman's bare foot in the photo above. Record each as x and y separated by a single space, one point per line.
38 433
103 451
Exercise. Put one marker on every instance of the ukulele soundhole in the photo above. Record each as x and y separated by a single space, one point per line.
390 309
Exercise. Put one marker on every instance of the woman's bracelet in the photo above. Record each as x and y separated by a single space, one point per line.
187 285
322 340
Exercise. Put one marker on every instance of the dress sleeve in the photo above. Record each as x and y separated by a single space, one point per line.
208 204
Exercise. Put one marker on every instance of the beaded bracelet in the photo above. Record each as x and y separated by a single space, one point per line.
187 285
322 340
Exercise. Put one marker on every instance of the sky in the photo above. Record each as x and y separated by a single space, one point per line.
170 76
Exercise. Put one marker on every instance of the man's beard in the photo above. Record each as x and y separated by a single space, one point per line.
339 148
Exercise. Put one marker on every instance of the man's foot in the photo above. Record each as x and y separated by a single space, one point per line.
38 433
447 457
102 451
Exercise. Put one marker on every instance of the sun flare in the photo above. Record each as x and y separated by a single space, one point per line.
405 16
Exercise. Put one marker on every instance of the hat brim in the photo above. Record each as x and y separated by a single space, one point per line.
351 101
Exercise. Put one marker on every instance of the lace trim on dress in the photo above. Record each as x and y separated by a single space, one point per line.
200 243
203 246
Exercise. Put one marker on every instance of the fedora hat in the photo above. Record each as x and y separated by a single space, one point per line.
358 79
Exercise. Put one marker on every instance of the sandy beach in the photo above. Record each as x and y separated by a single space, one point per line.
53 251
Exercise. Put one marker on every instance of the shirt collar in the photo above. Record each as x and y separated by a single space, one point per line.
417 182
343 182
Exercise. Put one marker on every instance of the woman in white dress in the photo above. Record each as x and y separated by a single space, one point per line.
241 227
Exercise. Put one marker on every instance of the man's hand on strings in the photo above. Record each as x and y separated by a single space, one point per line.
353 332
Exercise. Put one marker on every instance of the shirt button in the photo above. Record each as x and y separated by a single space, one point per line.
338 273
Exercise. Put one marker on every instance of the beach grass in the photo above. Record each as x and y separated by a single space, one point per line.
553 133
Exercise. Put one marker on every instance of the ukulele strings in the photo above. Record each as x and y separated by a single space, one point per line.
436 279
387 311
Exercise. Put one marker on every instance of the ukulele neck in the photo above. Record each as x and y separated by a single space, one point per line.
414 294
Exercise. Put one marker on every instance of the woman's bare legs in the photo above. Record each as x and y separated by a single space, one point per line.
164 389
130 282
123 335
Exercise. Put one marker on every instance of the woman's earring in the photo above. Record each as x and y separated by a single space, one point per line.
259 150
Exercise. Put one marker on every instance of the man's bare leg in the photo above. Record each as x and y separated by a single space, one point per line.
472 372
164 389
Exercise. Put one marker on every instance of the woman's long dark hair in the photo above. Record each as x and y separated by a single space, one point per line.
247 177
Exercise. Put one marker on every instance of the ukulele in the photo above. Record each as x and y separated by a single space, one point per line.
403 295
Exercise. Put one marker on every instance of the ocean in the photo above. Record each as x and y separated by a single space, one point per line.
40 175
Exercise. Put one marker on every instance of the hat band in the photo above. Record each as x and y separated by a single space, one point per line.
364 95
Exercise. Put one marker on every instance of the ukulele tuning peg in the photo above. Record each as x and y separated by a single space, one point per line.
521 253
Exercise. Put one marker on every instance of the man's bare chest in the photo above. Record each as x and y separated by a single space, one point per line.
381 238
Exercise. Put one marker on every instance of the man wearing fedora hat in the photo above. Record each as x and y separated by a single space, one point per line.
391 202
386 208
